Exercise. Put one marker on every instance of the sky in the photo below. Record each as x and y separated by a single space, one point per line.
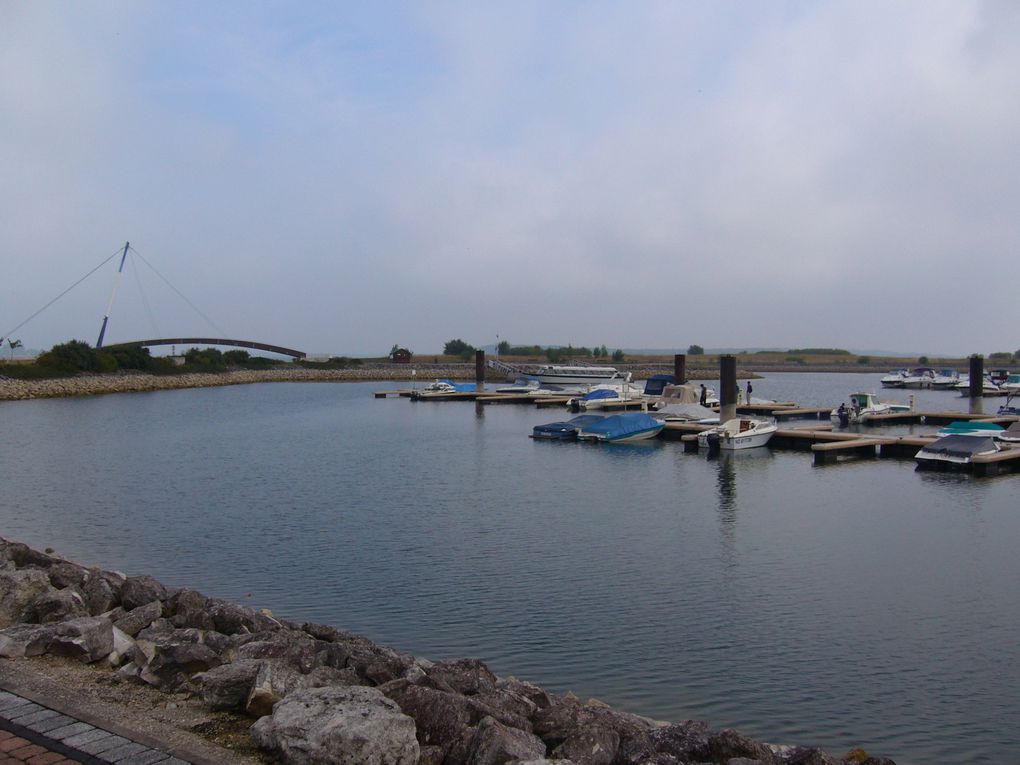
340 177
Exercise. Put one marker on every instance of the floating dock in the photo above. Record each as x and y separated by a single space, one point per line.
826 445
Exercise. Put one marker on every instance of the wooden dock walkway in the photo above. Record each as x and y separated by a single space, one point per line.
826 445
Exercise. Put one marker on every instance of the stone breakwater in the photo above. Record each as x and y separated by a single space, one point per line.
318 694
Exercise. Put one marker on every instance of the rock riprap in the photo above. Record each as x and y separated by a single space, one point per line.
320 695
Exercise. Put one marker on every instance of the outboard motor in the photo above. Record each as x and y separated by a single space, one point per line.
713 445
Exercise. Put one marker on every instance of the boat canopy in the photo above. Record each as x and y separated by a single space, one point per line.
460 387
621 425
656 384
565 429
960 446
681 394
599 393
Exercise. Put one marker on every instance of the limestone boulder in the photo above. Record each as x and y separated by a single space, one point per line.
21 640
685 740
808 756
137 619
140 590
101 591
496 744
169 660
66 574
227 686
19 588
466 676
88 639
188 608
273 681
726 745
56 606
539 697
441 718
593 744
338 726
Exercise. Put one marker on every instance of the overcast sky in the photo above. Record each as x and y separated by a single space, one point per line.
339 177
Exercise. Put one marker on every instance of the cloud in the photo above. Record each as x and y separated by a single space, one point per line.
342 178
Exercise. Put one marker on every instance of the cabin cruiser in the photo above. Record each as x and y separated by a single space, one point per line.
863 407
681 403
580 374
738 433
920 377
895 378
945 378
606 393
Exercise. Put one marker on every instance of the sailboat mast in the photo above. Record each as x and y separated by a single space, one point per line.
109 306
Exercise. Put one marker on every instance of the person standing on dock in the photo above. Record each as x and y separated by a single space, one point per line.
748 392
704 395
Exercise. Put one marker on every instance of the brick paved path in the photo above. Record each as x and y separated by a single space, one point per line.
32 734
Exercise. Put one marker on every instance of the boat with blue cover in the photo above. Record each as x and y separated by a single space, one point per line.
564 430
954 452
622 428
443 388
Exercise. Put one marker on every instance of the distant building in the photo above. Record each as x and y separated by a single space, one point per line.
401 356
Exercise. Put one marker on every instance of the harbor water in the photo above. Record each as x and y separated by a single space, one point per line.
858 604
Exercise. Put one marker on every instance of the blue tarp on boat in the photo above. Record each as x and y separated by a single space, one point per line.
565 430
617 427
461 387
599 393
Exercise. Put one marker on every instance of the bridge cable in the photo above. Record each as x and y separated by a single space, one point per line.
26 321
145 297
179 293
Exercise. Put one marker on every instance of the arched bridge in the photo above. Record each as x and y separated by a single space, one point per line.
211 341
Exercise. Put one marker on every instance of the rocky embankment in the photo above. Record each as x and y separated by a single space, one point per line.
318 694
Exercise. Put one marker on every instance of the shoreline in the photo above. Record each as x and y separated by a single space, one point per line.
265 672
12 389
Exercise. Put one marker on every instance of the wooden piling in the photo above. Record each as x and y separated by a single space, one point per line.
977 376
479 368
680 368
727 388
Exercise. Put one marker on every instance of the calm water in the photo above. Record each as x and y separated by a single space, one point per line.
856 604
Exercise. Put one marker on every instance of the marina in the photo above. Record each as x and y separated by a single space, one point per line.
860 603
827 446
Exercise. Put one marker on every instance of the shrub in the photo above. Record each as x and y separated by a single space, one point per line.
70 357
695 350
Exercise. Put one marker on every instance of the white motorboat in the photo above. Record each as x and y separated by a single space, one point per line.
863 407
738 433
682 403
607 394
945 378
1010 385
895 378
920 377
988 387
580 374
